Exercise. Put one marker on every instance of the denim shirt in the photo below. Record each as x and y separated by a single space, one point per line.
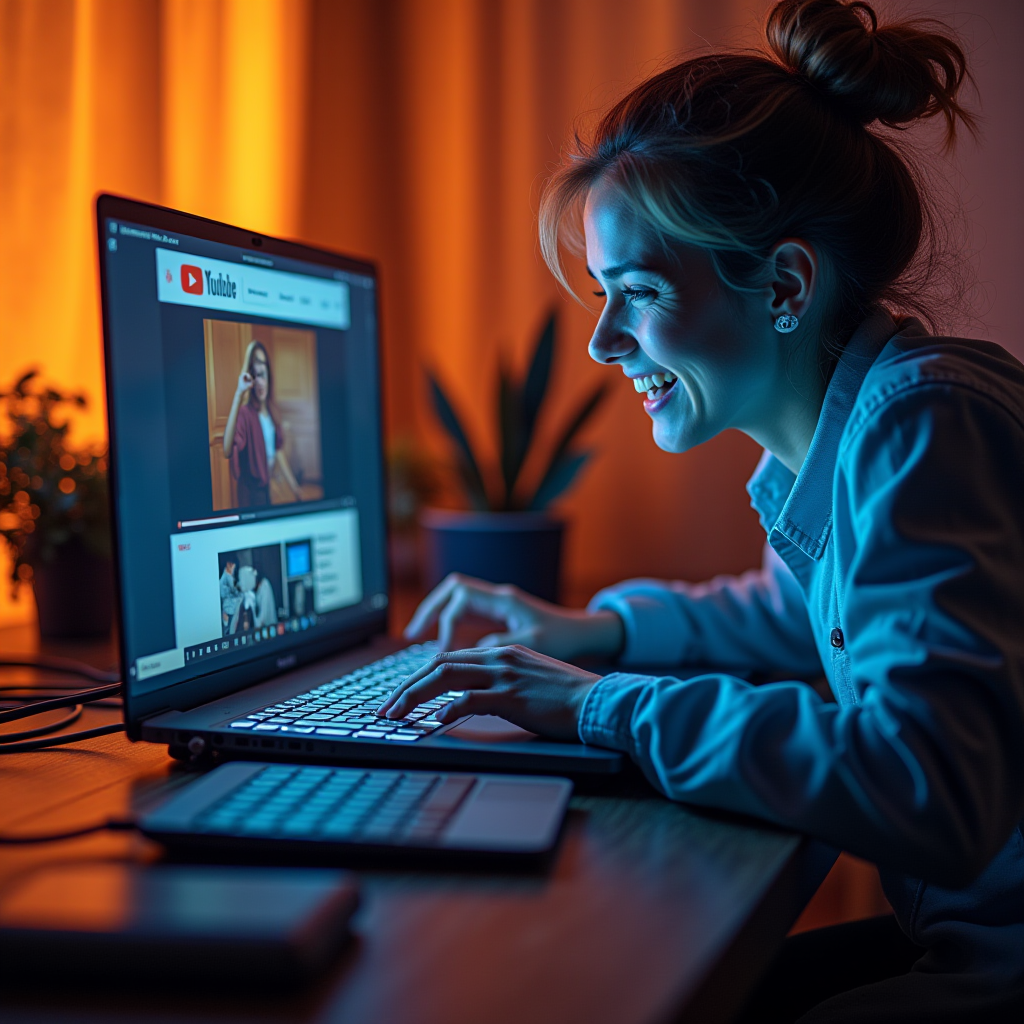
895 563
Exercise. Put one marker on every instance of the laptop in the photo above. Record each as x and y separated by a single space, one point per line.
249 518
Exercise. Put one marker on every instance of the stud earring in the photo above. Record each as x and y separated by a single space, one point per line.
786 323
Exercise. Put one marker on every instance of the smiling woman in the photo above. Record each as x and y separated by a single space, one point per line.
704 353
759 239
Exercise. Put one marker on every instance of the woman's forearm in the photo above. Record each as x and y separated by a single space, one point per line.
599 634
229 428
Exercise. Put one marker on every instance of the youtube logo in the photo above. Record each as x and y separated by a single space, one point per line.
191 279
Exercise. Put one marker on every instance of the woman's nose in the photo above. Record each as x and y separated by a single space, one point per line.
609 343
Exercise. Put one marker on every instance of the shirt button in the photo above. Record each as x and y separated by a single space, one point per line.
836 639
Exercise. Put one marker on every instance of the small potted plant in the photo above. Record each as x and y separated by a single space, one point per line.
509 536
54 513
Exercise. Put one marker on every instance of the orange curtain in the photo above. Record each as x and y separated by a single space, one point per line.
416 132
198 104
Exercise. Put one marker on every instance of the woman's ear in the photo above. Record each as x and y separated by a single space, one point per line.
793 283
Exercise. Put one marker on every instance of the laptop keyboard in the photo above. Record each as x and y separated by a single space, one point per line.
346 708
338 805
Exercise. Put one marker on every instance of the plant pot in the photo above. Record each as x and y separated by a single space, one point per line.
74 593
524 548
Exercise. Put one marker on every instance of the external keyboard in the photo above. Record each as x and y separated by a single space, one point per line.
319 810
337 804
347 707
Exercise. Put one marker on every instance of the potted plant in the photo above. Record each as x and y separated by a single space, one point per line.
509 536
54 513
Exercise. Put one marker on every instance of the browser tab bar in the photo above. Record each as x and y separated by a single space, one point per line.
188 280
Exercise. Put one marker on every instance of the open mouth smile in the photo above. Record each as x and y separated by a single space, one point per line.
657 387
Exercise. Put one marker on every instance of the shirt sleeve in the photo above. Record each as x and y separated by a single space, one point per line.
757 621
242 427
925 771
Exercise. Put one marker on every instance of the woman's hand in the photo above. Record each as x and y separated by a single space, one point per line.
562 633
245 382
528 689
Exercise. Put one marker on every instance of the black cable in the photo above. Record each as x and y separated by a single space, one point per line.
112 824
24 740
15 696
56 741
38 685
37 707
73 715
65 665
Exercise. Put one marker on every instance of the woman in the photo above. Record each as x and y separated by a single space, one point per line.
253 440
757 237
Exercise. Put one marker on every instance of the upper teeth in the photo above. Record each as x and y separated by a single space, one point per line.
656 380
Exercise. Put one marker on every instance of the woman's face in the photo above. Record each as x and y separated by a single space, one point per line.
260 379
669 314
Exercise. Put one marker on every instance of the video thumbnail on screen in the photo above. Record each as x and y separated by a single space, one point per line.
263 408
263 586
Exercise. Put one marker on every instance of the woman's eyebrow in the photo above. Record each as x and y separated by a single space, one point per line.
619 269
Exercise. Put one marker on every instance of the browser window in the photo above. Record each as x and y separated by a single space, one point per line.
247 450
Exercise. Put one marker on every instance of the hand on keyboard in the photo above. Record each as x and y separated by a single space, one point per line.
347 707
564 633
528 689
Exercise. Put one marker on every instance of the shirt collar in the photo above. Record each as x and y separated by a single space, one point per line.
799 508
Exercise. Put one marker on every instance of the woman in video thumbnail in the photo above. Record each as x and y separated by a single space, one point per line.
253 439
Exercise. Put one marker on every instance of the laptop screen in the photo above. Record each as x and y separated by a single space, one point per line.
245 442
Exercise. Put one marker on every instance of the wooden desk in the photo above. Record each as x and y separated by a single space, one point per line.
649 912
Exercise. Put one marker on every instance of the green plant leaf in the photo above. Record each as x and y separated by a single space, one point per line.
560 452
537 377
469 470
578 421
558 479
510 432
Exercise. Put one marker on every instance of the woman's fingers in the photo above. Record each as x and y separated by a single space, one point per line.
435 668
444 677
450 615
426 614
473 596
529 689
412 680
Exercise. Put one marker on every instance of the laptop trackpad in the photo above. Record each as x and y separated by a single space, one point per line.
489 729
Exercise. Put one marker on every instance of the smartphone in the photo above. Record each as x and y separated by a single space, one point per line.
125 924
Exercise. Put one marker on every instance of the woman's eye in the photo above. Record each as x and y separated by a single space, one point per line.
635 295
601 295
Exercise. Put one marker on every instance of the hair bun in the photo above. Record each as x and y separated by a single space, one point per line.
896 73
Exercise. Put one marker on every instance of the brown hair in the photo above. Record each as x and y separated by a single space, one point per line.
257 350
734 151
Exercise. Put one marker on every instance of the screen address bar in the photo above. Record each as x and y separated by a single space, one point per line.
187 280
